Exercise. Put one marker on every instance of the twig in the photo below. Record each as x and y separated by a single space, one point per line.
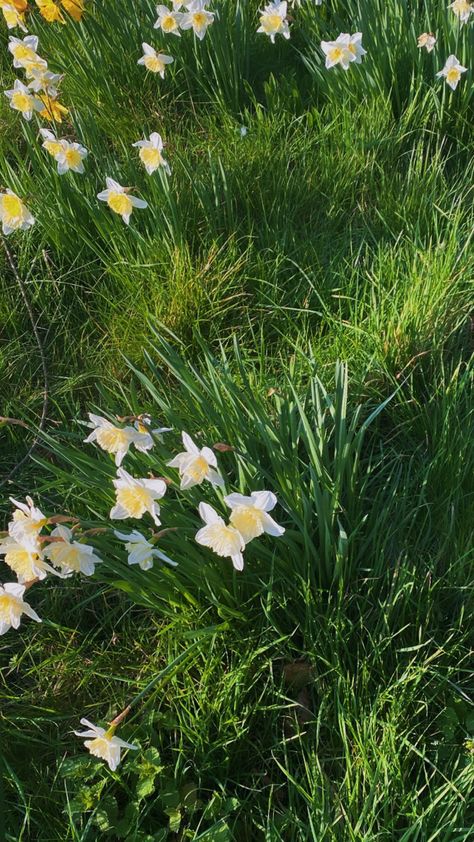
44 410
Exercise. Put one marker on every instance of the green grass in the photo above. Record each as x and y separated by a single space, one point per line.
330 695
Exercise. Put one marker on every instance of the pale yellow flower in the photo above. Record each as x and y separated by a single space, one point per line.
250 514
151 153
168 20
427 40
119 199
196 465
69 555
273 21
22 100
12 606
135 496
153 61
117 440
225 541
26 563
452 71
14 214
24 52
103 743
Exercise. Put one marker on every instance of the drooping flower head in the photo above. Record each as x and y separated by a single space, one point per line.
141 551
50 11
427 40
119 199
14 214
53 111
225 541
151 153
117 440
43 81
273 21
27 563
103 744
462 9
13 606
135 496
153 61
12 16
75 8
70 556
452 72
50 142
196 465
27 523
250 514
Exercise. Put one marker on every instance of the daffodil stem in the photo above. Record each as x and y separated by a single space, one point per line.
156 680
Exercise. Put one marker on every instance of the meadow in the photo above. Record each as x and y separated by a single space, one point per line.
296 296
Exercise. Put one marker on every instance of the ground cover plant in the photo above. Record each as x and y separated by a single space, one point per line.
287 281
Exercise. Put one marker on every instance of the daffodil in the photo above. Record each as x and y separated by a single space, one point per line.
119 199
197 18
14 214
452 71
50 11
43 81
117 440
150 153
22 100
13 606
153 61
196 465
427 40
13 17
50 142
250 514
344 50
69 555
27 522
143 425
104 744
135 496
70 157
75 8
52 109
273 21
168 20
462 9
26 563
24 52
225 541
141 551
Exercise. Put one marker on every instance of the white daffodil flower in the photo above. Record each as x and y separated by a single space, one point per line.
462 9
43 81
427 40
153 61
27 523
344 50
14 214
225 541
196 465
150 153
144 423
13 17
117 440
69 555
22 100
24 52
27 563
137 496
70 157
141 551
12 606
250 514
50 142
452 71
103 743
197 18
168 20
273 21
119 199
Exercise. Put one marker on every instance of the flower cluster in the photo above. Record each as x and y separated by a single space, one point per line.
37 545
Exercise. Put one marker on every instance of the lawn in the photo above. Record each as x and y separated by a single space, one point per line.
297 296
